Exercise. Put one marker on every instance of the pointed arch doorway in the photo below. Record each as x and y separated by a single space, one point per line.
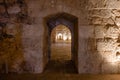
71 23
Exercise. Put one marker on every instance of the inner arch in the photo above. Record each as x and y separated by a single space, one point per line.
71 22
61 43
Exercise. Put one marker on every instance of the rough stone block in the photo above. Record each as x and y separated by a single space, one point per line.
116 12
110 67
112 32
1 1
113 4
117 20
97 21
106 46
14 9
99 32
119 66
108 56
2 9
11 29
101 13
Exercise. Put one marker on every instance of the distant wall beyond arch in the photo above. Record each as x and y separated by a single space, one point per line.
61 33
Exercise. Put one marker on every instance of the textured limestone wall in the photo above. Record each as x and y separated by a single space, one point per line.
106 18
11 57
23 34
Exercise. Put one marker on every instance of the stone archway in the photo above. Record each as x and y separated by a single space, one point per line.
68 20
60 43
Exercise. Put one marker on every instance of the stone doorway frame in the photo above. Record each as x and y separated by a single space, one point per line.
71 22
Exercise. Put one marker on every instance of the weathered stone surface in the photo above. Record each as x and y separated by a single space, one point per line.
98 34
119 67
117 20
116 12
111 67
105 46
1 30
11 29
108 56
1 1
2 9
113 4
112 32
14 9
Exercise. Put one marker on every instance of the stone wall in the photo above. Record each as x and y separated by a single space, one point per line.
11 57
23 34
105 19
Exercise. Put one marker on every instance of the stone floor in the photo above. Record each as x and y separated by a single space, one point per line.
60 67
60 59
59 77
61 51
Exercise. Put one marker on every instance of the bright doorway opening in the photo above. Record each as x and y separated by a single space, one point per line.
61 43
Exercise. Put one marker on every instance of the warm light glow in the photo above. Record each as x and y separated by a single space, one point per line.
114 63
118 55
59 36
64 37
69 37
118 23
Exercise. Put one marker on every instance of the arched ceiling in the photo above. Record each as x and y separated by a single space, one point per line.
61 18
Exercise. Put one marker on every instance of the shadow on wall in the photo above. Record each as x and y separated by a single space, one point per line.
12 57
